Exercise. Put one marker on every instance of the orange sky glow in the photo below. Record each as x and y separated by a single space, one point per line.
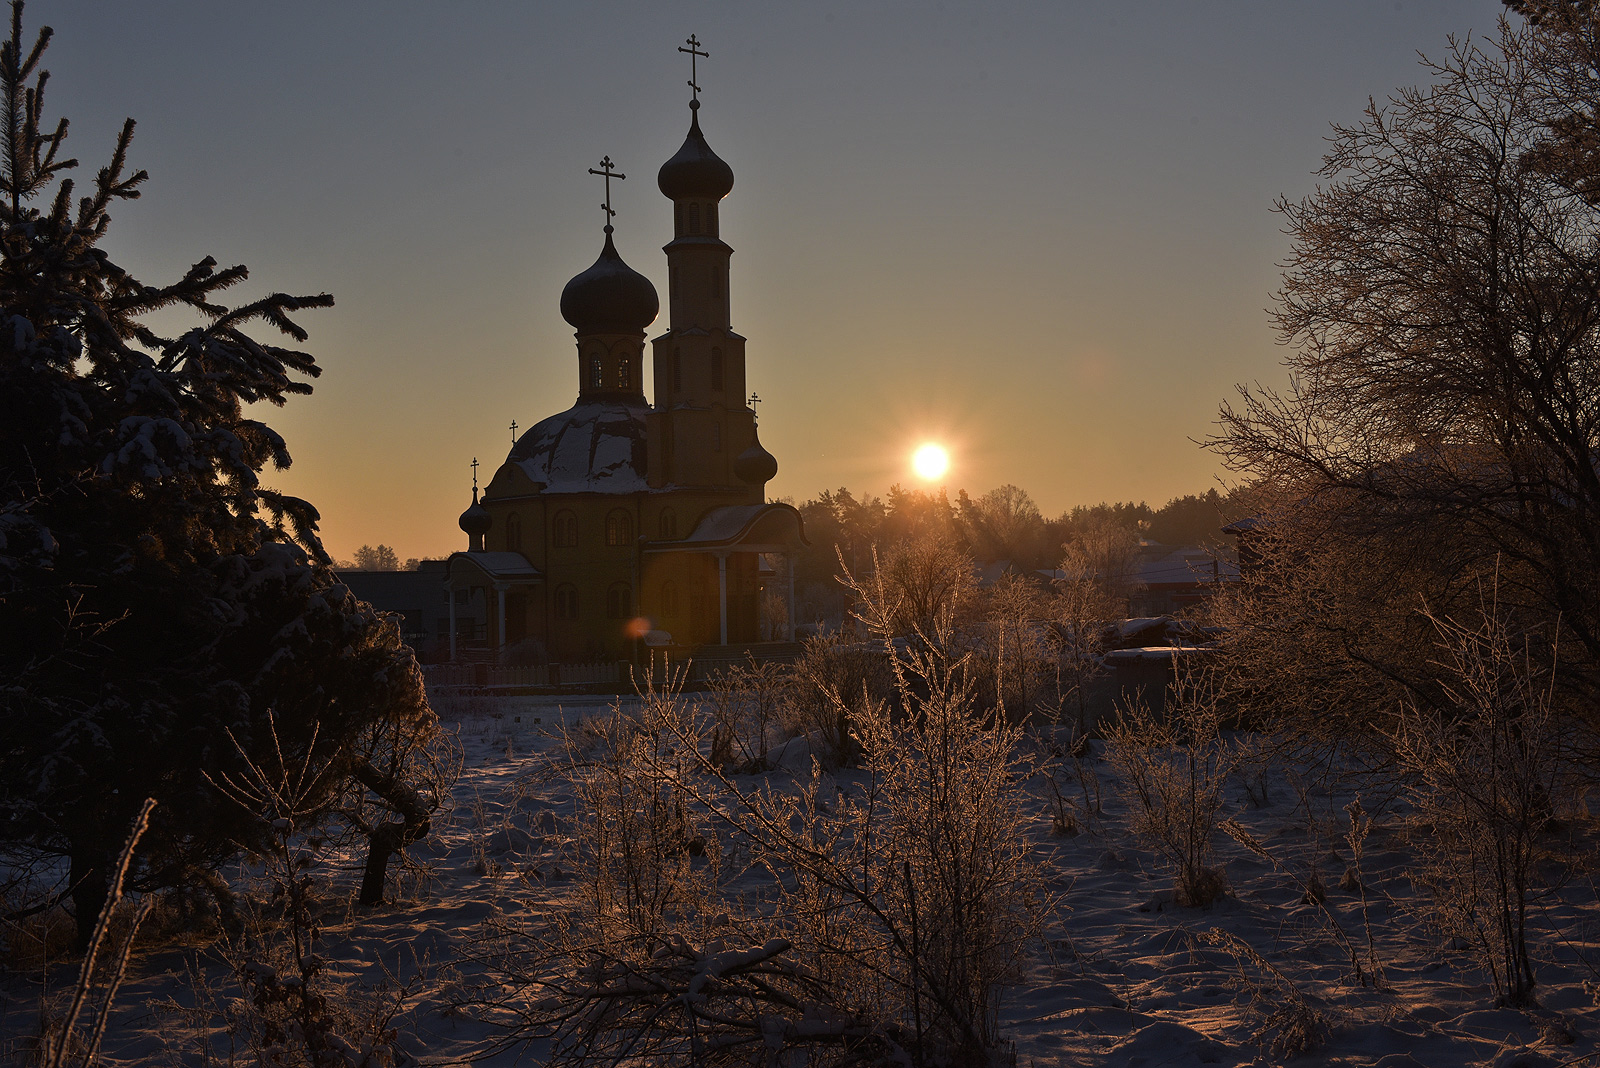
1038 234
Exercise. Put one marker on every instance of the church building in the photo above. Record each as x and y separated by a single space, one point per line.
619 523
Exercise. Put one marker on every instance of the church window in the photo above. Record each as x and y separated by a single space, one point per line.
669 599
464 596
567 601
716 370
513 533
711 219
694 218
624 377
597 376
716 281
564 530
619 601
677 217
619 528
669 523
677 371
716 437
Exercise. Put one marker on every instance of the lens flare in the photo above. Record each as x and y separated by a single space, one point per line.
930 461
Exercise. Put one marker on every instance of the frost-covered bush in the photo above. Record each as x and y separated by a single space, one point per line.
1481 780
877 924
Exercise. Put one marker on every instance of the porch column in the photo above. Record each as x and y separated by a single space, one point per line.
788 563
500 597
450 595
722 592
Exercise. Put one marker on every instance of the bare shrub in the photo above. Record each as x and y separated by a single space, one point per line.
832 680
890 917
1481 780
745 702
1172 769
292 1012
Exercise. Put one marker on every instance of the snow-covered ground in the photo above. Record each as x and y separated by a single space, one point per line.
1123 976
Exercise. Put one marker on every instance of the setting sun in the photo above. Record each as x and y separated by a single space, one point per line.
930 461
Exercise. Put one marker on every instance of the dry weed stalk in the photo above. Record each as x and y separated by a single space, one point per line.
1291 1026
57 1046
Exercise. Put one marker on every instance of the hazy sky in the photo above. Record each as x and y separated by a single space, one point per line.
1038 232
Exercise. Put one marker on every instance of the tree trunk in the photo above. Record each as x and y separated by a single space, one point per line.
87 876
390 837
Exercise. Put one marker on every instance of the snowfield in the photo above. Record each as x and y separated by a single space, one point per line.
1122 976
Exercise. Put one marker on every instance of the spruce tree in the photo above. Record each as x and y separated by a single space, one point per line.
164 617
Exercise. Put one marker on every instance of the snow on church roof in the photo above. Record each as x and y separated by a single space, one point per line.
592 447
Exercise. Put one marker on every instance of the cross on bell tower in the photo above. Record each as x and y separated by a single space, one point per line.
606 169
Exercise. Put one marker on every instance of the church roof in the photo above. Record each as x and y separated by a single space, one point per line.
500 565
592 447
731 525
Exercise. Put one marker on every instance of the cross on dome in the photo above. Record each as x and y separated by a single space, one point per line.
694 56
606 169
474 478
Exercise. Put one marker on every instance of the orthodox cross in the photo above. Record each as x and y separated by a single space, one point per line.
606 169
694 50
513 431
754 400
474 477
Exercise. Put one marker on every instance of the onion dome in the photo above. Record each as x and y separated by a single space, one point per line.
476 521
696 172
755 465
610 297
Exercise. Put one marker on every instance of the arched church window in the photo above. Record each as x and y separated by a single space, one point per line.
677 371
716 370
624 374
694 218
619 528
567 601
711 219
619 600
669 523
716 437
513 533
716 281
564 530
597 375
669 599
677 218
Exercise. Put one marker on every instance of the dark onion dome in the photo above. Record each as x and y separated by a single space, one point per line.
755 465
592 447
696 172
610 297
476 520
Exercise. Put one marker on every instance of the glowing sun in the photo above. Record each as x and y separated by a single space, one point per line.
930 461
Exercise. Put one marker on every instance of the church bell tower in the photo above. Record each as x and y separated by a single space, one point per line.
702 431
